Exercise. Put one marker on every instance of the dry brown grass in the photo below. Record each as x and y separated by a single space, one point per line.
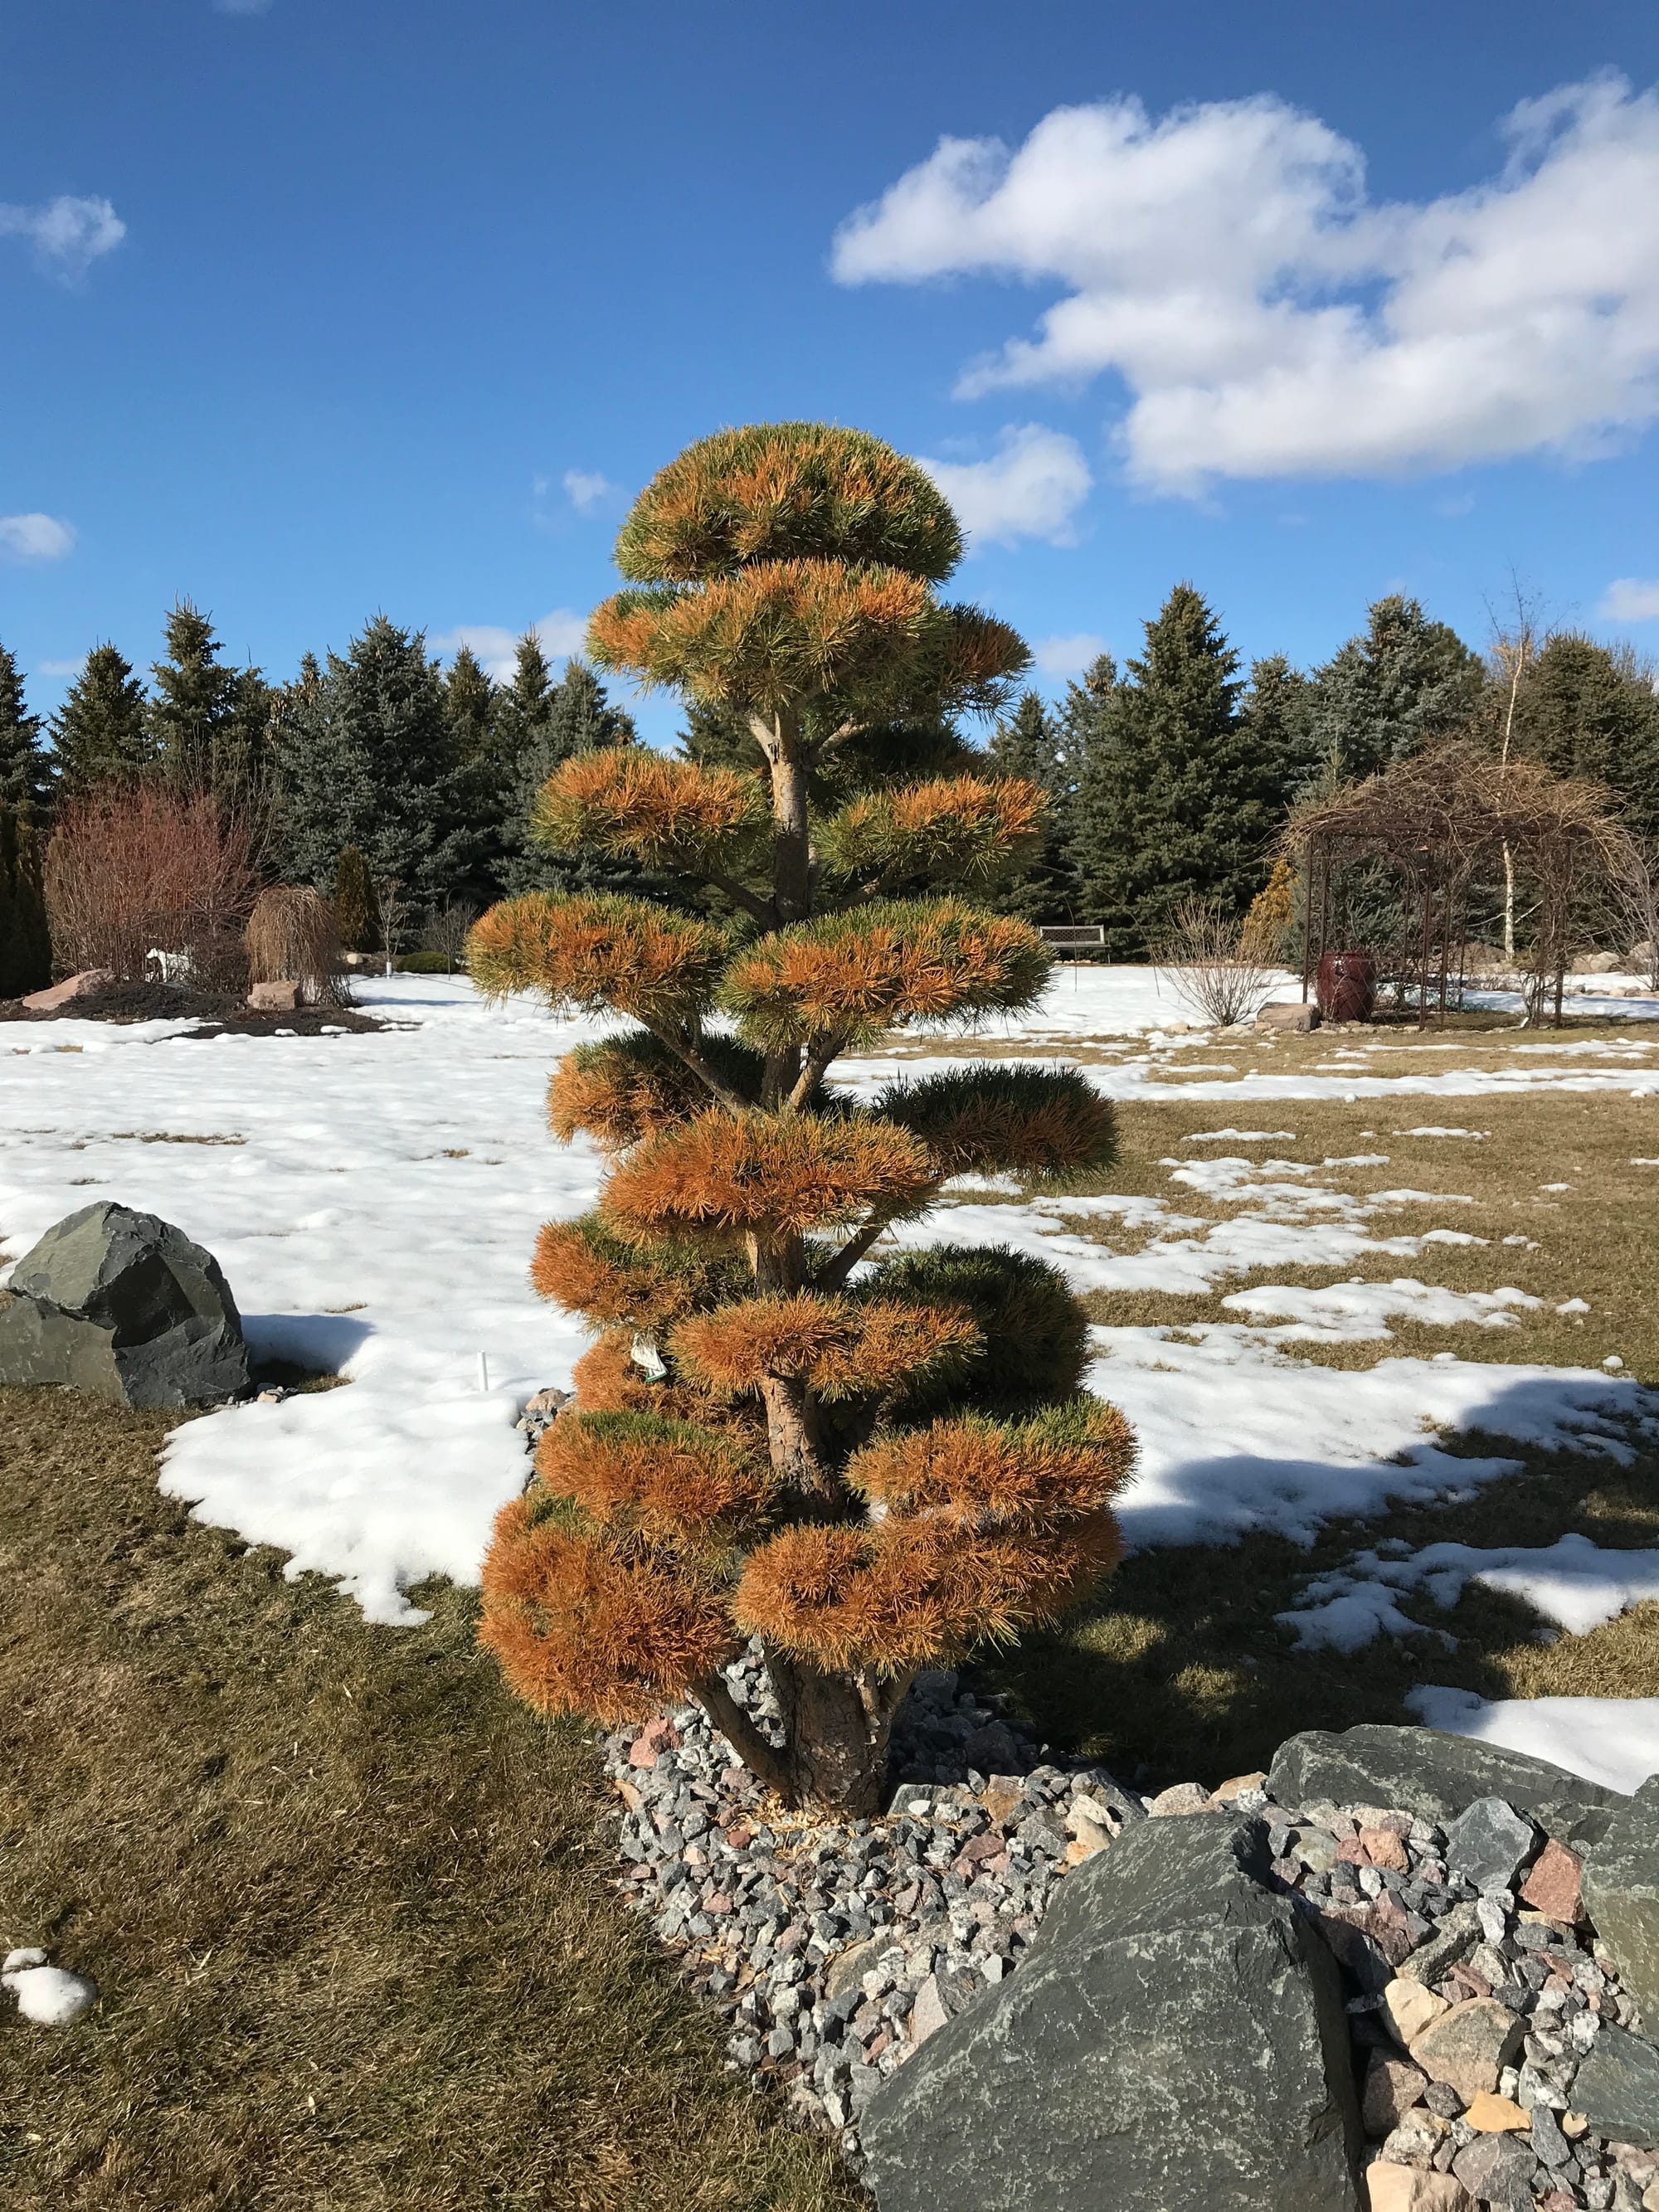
1182 1670
347 1901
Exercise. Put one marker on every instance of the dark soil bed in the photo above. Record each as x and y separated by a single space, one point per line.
219 1011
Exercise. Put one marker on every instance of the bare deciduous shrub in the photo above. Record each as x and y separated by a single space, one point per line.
1214 964
292 938
136 868
446 932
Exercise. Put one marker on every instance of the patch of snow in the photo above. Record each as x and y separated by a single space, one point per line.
1572 1582
49 1996
1419 1198
1479 1135
1244 1137
1237 1435
1350 1313
378 1219
1614 1742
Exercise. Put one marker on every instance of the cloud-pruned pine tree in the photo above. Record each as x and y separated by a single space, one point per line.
99 734
871 1463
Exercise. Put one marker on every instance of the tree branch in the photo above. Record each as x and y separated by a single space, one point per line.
832 1277
758 1753
695 1061
837 737
740 895
818 1066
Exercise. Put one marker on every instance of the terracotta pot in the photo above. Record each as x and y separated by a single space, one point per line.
1346 987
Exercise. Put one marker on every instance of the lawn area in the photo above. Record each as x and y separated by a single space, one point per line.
347 1902
1182 1669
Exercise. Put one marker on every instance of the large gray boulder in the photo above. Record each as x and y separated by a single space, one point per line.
1617 2088
1621 1895
1438 1775
125 1306
1174 2041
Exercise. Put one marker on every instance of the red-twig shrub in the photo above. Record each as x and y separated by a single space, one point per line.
135 868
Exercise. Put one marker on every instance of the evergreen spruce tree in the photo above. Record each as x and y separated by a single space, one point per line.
1403 684
357 914
1172 803
99 733
872 1471
190 710
25 941
365 757
578 717
25 776
1029 744
523 705
1277 715
1586 709
470 703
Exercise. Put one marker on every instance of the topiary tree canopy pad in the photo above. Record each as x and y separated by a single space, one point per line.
872 1460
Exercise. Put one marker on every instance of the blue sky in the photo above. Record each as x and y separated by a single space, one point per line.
318 308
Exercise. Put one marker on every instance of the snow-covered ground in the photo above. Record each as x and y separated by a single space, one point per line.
1612 1741
373 1200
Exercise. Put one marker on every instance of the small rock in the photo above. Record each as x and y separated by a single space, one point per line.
80 986
1383 1848
1495 2116
1498 2169
1468 2045
1403 2189
1224 1792
929 2011
274 998
1415 2141
1409 2008
1393 2085
1489 1843
1548 2142
1452 1940
1552 1886
1183 1797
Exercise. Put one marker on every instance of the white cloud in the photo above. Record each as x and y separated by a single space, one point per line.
1066 656
1033 488
588 490
35 537
241 7
59 667
1269 320
561 633
68 234
1631 599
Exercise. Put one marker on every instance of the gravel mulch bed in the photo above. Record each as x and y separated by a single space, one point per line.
834 1949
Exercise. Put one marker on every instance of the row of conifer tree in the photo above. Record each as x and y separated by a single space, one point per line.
1168 777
